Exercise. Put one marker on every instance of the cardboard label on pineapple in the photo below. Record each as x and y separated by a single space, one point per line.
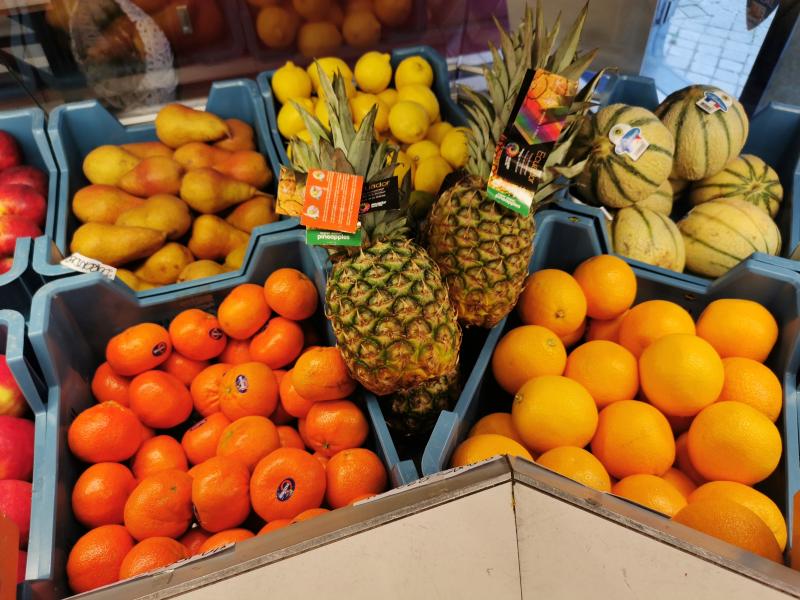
713 101
380 195
320 237
628 140
84 264
332 201
539 116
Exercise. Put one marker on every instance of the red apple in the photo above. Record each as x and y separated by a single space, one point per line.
11 228
26 175
10 156
12 402
15 504
22 560
16 448
6 263
22 200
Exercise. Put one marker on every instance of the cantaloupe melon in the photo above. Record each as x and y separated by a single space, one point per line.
704 143
648 236
616 180
719 234
660 200
747 178
679 186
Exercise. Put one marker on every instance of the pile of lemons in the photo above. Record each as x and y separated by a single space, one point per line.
408 113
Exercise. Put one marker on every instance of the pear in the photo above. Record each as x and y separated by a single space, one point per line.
129 279
208 191
148 149
107 164
102 203
196 155
253 213
154 175
116 244
247 166
235 258
161 212
241 137
164 266
214 239
200 269
177 125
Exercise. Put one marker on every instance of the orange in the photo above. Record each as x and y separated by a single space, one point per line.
552 411
577 464
201 439
750 498
291 294
150 555
681 374
633 438
604 330
107 385
279 344
483 446
193 539
221 493
161 505
748 381
573 338
552 299
651 320
684 462
274 525
290 438
160 400
185 369
651 491
285 483
734 442
236 352
249 389
197 335
244 311
292 402
96 557
248 440
608 283
139 348
99 495
321 374
160 453
499 423
527 352
107 432
738 328
732 523
352 473
309 514
206 389
334 426
682 482
608 371
223 538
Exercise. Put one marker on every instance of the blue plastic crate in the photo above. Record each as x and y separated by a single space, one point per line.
564 241
76 129
450 110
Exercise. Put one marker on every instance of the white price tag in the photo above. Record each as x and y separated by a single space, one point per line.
84 264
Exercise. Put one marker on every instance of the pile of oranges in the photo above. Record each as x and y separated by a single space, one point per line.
670 413
192 446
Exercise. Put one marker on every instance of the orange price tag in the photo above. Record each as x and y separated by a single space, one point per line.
332 201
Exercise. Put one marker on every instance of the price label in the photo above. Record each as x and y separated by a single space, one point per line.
332 201
84 264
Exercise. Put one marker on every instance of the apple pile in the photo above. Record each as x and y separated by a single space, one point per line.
16 460
23 199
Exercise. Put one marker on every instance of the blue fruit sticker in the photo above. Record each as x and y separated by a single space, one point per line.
216 333
285 490
241 384
159 349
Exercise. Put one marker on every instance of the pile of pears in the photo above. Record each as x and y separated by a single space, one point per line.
177 209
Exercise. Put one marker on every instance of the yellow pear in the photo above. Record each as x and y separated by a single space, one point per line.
196 155
164 266
148 149
129 279
161 212
247 166
208 191
116 244
102 203
253 213
242 137
177 125
214 239
235 258
154 175
200 269
107 164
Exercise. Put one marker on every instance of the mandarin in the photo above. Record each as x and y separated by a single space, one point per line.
608 371
193 539
243 311
609 285
185 369
107 432
285 483
353 473
527 352
159 453
248 440
577 464
249 389
274 526
197 334
108 386
236 352
290 438
223 538
201 439
309 514
160 400
96 557
320 374
160 505
221 493
206 389
651 320
738 328
99 495
334 426
291 294
279 344
150 555
552 299
651 491
139 348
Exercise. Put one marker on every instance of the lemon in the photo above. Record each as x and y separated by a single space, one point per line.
430 174
361 104
373 72
454 148
290 123
413 70
422 150
409 122
422 96
304 135
321 112
291 81
404 165
389 97
331 65
437 132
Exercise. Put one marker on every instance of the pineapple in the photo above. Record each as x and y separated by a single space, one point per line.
482 248
386 301
414 412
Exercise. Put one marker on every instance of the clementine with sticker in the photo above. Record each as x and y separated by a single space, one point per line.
332 201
